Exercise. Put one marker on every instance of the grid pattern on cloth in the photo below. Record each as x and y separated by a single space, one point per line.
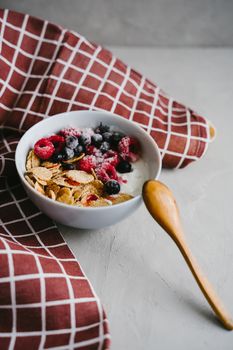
46 301
46 69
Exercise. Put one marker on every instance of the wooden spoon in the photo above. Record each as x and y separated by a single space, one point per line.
161 204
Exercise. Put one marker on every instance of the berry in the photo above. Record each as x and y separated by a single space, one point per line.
104 147
91 149
44 148
91 197
57 157
112 187
58 141
85 139
96 140
124 167
129 149
79 149
71 142
106 172
68 166
107 136
101 128
70 132
68 153
87 163
116 137
111 157
55 139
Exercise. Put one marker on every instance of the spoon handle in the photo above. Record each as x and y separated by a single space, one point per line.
204 285
162 205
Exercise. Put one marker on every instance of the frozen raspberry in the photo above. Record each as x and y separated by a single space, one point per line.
44 148
129 149
111 157
88 131
70 132
106 172
87 163
92 150
58 141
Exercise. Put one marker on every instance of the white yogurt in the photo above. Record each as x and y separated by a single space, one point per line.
136 178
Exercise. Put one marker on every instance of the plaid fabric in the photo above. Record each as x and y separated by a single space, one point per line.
46 301
46 69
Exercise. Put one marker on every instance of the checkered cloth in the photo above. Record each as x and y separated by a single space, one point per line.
46 300
46 69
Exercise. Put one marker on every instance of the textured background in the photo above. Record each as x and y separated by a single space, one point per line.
139 22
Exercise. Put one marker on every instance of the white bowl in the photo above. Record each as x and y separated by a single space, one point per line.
86 218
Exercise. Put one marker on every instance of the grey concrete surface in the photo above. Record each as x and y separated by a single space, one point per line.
149 294
139 22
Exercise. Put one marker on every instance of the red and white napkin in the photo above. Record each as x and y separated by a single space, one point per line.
46 301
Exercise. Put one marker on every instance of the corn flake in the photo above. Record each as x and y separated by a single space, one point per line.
42 173
79 176
39 188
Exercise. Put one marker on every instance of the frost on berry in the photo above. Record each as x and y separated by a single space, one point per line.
129 148
87 163
70 131
44 148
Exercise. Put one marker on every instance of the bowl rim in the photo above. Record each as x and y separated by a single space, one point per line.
61 115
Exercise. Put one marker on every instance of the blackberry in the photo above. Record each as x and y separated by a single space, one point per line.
124 167
112 187
68 166
68 153
116 138
104 147
101 128
57 157
107 136
72 142
96 140
79 149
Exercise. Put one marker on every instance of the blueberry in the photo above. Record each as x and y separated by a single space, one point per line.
124 167
101 129
85 139
112 187
107 136
104 147
57 157
79 150
68 166
96 140
116 137
68 153
72 142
